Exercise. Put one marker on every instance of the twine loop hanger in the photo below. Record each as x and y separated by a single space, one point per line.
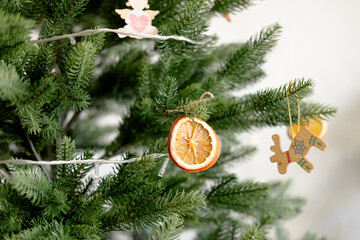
186 108
298 110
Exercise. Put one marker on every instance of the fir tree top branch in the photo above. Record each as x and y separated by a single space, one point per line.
121 32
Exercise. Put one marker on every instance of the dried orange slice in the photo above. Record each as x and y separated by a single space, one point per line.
193 145
316 125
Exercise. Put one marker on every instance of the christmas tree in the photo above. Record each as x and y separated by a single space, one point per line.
54 96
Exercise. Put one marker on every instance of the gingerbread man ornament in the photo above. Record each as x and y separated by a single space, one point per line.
137 20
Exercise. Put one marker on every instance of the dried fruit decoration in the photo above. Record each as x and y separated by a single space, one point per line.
316 125
193 145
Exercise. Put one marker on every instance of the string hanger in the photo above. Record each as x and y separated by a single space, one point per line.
298 110
186 108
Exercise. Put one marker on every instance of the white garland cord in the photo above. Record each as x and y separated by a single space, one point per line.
121 32
95 161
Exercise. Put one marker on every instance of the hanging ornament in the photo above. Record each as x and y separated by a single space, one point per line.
316 125
137 20
304 140
300 146
193 145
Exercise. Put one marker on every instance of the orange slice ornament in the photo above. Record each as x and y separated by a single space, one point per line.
316 125
193 145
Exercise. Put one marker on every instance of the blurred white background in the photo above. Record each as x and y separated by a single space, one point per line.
320 40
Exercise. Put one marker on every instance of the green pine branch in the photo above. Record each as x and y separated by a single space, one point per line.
80 65
79 69
44 230
167 94
12 87
281 233
312 236
268 108
138 80
146 212
65 149
138 200
17 92
14 31
190 20
243 67
85 216
35 186
231 6
167 9
253 233
126 175
121 66
31 111
69 178
9 212
224 228
207 65
220 184
177 182
235 155
59 16
310 110
10 6
170 229
36 63
128 211
278 205
241 197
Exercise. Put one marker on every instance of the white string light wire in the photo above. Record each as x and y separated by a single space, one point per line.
100 161
90 161
121 32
